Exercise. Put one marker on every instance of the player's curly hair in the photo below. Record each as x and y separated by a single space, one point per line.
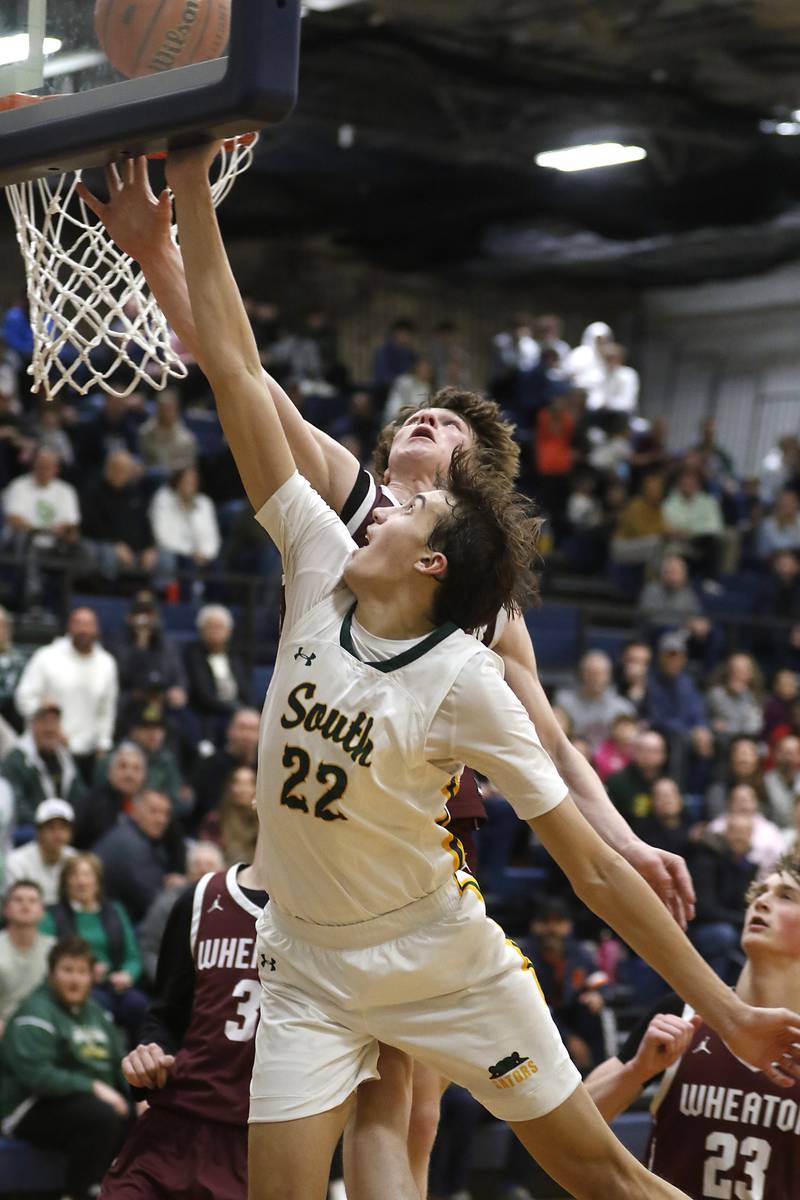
495 448
787 864
489 535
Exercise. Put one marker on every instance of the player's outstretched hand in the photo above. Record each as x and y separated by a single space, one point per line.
768 1038
147 1066
135 218
668 876
666 1039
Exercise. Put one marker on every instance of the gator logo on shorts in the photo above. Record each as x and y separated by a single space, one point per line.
511 1070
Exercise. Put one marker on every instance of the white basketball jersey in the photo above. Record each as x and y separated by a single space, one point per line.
347 803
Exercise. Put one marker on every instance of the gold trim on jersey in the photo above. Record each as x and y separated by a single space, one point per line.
468 883
527 965
451 843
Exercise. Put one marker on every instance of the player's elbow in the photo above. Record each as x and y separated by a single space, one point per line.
599 878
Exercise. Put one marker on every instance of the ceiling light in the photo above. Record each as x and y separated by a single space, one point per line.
327 5
15 48
587 158
784 128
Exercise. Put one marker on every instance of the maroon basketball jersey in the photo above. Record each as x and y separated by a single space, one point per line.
466 804
211 1075
722 1131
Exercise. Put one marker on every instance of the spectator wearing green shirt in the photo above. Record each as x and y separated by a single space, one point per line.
106 928
40 766
62 1086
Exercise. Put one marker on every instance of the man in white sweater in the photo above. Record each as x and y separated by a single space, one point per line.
81 677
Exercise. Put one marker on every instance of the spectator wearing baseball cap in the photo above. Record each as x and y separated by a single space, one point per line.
147 730
43 859
41 767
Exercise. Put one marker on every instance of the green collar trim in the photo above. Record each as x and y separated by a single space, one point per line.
399 660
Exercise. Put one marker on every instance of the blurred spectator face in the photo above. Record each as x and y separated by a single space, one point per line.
653 489
708 431
83 630
127 773
739 672
23 907
672 662
202 859
786 567
667 800
742 801
428 438
402 332
47 732
119 469
152 812
552 929
595 673
787 755
150 737
674 574
5 630
623 732
650 754
45 467
215 631
583 747
115 407
785 685
243 734
423 369
241 788
786 507
745 759
773 917
82 882
636 660
168 410
548 328
688 484
614 355
187 485
71 979
52 837
739 834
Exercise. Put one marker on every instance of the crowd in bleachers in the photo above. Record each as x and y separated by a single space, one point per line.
128 741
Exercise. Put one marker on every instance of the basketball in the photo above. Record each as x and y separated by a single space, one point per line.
141 37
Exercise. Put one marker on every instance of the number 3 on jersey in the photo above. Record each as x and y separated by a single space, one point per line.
244 1027
298 763
754 1154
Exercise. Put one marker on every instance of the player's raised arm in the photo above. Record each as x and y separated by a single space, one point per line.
767 1038
226 348
141 224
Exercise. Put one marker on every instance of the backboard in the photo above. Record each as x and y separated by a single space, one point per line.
50 48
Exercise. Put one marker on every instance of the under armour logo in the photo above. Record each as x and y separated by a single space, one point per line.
702 1046
268 962
307 658
216 906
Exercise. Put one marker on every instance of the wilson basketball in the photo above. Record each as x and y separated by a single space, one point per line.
141 37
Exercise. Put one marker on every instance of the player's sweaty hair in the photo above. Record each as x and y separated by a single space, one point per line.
787 864
495 449
488 535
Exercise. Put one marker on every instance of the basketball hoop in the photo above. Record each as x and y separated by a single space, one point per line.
91 310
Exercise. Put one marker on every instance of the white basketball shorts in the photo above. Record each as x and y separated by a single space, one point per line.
437 979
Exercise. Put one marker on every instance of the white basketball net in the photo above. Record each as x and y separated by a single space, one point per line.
91 310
